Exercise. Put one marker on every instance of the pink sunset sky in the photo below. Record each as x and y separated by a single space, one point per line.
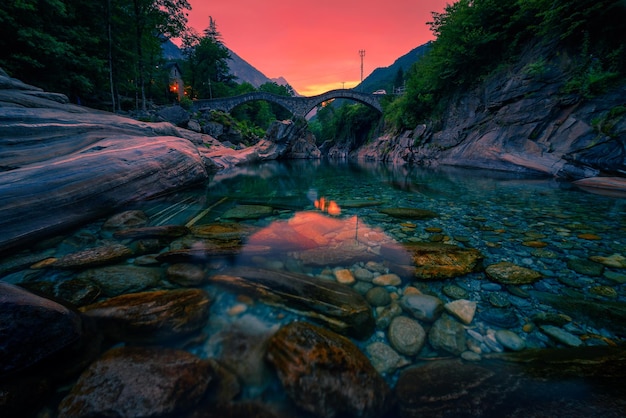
315 45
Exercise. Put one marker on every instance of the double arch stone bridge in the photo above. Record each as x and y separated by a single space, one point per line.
298 106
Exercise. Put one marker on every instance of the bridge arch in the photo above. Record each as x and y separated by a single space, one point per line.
298 106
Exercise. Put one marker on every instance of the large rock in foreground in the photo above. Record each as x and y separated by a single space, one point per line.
138 382
33 329
69 190
62 165
326 374
566 382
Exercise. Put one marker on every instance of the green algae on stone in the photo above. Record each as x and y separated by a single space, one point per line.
509 273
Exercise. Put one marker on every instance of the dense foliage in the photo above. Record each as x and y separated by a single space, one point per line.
475 37
348 125
90 50
109 54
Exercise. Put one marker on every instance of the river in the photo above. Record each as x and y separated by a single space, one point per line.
336 221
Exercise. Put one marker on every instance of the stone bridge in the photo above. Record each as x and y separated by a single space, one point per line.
298 106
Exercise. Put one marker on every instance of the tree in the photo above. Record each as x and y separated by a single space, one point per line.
152 18
207 70
60 36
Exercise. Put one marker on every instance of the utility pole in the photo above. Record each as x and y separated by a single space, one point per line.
362 54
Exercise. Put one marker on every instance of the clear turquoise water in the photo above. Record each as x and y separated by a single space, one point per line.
496 213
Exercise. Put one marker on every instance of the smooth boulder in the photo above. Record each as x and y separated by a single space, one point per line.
326 374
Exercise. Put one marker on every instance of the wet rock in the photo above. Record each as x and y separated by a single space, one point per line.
107 254
509 273
441 389
33 329
604 291
448 335
550 318
387 314
406 335
585 267
409 213
589 236
326 374
384 358
338 306
601 313
363 274
423 307
432 261
151 317
378 296
503 318
563 382
248 212
462 309
186 275
138 382
161 231
561 336
510 340
499 300
241 348
344 276
127 219
615 277
209 251
614 261
78 292
387 280
455 292
118 280
223 231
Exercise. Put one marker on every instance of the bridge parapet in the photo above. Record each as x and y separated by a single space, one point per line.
298 106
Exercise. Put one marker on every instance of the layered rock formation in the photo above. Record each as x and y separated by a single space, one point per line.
520 120
62 165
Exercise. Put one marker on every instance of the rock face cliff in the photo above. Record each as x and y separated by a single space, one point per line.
519 120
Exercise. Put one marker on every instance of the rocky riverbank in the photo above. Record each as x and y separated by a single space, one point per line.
62 165
520 120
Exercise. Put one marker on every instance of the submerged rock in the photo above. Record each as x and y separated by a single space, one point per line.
150 317
248 212
118 280
326 374
33 328
448 335
338 306
509 273
564 382
138 382
106 254
161 231
409 213
431 260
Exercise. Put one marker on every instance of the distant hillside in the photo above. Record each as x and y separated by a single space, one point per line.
239 67
171 51
383 78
